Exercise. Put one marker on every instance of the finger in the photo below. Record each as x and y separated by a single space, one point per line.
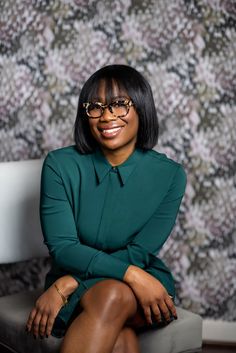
35 324
50 324
164 311
156 312
147 313
43 325
170 304
31 319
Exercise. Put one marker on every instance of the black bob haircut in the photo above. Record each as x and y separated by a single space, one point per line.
130 81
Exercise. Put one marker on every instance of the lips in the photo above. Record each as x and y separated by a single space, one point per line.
110 132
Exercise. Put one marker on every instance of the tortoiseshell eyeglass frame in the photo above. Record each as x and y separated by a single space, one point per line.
127 102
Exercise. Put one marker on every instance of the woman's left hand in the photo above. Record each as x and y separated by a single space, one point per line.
48 305
151 294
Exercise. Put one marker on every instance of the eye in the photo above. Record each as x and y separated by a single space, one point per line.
119 103
94 105
94 110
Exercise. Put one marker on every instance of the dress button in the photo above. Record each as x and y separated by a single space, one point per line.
114 169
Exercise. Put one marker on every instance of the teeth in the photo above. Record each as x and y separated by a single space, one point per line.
111 130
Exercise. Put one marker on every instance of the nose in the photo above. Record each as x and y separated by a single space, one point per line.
107 115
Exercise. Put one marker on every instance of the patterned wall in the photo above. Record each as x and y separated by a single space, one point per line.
187 50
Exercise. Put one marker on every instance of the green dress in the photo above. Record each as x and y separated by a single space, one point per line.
97 219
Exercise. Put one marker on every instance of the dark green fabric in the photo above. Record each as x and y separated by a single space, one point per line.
97 220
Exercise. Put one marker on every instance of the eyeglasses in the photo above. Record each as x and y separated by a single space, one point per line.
118 108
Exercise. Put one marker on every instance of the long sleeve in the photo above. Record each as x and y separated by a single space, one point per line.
97 221
155 232
60 233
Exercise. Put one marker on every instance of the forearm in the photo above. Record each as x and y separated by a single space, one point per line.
134 255
133 276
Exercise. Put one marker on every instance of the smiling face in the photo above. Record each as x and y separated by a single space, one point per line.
114 134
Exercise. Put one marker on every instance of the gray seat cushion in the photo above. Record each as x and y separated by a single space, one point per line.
182 335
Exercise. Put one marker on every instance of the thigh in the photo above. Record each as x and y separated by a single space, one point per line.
138 320
127 341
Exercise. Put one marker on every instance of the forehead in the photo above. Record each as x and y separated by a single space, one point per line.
105 91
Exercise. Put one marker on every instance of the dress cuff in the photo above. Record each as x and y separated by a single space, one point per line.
104 265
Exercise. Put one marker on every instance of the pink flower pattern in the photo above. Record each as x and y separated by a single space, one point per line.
187 52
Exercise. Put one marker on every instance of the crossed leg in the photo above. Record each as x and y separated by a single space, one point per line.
101 326
126 342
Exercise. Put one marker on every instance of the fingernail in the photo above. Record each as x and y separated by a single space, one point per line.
41 337
26 329
35 337
47 336
175 317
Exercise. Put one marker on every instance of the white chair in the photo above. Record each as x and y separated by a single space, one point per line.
21 239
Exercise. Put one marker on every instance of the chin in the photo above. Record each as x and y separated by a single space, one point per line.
111 146
110 143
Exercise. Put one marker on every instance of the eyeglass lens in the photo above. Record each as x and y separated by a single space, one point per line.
119 109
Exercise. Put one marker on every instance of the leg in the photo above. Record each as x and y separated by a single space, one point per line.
127 342
137 321
105 309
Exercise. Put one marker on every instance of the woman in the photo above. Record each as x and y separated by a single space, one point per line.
108 204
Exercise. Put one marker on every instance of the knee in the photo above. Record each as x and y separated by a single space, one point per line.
117 293
110 297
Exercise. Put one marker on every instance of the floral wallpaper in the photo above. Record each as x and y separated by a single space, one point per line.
187 51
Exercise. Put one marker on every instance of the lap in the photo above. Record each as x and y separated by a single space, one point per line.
100 292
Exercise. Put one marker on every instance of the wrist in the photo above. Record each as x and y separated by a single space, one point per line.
67 285
63 298
131 274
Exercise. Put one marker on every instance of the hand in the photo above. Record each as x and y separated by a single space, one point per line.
151 294
48 305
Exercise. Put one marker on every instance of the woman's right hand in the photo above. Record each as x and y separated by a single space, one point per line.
151 294
48 305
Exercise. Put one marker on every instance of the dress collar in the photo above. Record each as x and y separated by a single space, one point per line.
102 166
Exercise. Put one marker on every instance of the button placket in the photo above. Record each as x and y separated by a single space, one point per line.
109 202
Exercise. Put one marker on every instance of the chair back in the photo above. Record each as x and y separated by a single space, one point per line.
20 231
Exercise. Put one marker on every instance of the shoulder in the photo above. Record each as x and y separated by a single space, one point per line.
66 158
156 158
165 168
64 152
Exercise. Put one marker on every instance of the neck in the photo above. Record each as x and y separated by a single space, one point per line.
116 157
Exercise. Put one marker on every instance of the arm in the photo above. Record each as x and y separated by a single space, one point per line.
60 233
155 232
150 292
